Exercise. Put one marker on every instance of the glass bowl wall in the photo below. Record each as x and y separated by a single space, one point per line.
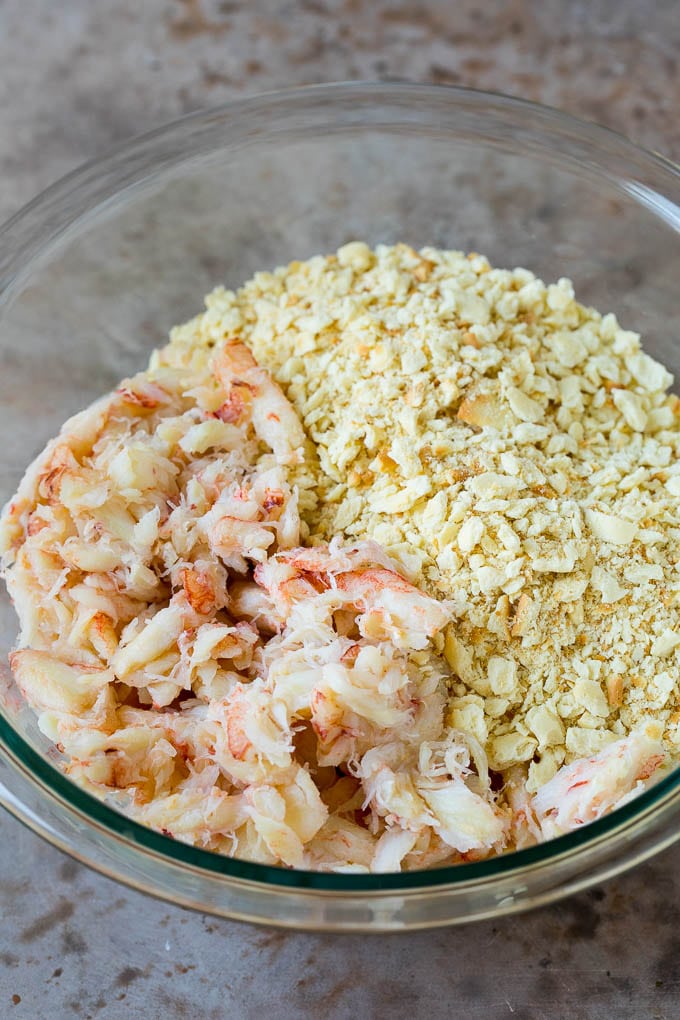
95 271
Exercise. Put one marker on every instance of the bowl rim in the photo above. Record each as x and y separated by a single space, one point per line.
77 800
558 120
23 239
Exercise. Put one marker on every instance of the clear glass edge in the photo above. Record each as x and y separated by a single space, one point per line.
489 909
647 807
299 93
371 90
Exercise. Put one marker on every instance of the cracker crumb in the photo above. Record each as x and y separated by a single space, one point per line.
517 450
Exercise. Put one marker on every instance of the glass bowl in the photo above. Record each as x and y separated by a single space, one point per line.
95 271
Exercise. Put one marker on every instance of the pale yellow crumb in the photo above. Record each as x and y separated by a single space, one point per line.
517 451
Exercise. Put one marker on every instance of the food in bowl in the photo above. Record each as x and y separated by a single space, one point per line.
375 567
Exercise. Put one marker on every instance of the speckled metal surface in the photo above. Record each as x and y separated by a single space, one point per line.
78 77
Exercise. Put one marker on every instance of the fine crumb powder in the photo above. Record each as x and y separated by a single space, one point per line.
516 451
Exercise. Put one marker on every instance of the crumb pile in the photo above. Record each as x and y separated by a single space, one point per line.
517 452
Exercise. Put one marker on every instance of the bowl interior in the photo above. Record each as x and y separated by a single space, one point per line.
96 273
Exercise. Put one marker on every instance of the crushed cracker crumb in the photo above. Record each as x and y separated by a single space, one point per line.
516 451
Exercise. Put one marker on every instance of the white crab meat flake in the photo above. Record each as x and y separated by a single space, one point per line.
377 605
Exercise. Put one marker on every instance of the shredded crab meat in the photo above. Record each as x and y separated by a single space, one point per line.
227 684
591 787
